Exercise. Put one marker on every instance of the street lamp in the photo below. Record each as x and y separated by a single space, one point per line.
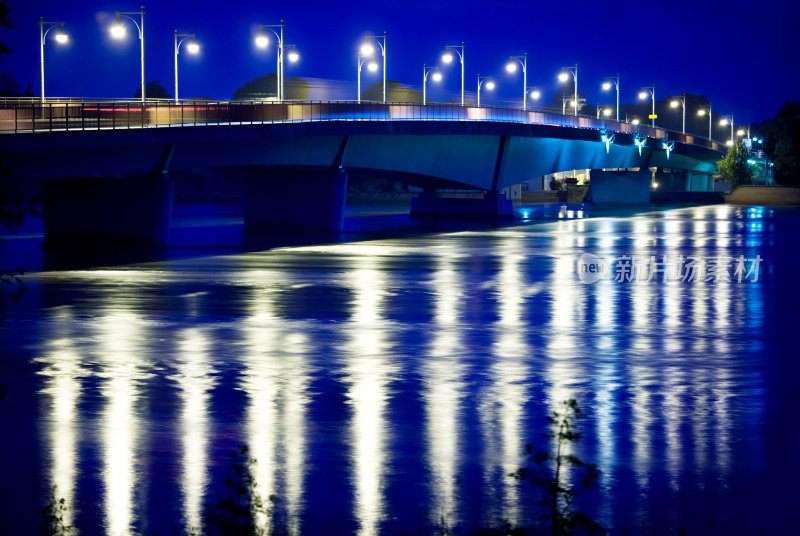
635 121
605 111
702 111
437 76
533 92
191 47
724 121
61 38
262 41
448 58
367 50
651 90
511 67
563 76
607 85
489 85
293 56
118 32
372 66
680 101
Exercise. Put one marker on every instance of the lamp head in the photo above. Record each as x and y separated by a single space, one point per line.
740 132
372 67
535 94
367 50
293 56
606 85
437 76
723 121
490 84
447 57
729 143
61 37
607 111
701 112
642 95
262 41
193 47
563 76
118 31
635 121
511 67
674 104
572 103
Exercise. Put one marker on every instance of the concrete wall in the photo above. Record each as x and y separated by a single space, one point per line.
628 187
764 195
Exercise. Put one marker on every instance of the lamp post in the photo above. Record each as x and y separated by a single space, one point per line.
533 92
512 67
191 47
605 111
61 38
448 58
573 103
367 50
564 76
607 85
118 32
372 68
681 100
262 42
489 85
724 120
703 111
651 90
436 77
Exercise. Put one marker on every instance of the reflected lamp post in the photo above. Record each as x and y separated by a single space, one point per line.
372 67
488 82
564 76
651 90
511 67
680 101
703 111
118 32
192 47
61 38
436 76
368 50
262 41
607 85
448 58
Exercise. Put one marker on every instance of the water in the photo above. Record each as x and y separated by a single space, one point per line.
391 384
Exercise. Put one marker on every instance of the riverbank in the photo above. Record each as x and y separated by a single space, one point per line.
764 195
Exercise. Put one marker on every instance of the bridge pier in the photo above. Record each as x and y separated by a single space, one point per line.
300 198
629 187
493 205
107 210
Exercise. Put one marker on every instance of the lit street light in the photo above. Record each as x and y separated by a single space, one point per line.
372 66
702 111
262 41
607 85
533 92
448 58
367 50
489 85
511 67
680 101
192 47
61 38
605 111
436 76
563 76
724 121
118 32
651 90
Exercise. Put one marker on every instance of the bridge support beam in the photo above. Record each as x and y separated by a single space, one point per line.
621 187
84 211
294 198
493 205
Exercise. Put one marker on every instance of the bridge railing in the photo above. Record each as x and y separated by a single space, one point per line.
19 116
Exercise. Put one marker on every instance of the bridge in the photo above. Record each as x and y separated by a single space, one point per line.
104 167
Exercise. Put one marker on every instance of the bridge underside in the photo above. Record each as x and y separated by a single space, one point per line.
296 174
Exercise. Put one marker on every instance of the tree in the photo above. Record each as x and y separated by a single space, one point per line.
154 91
266 88
782 136
395 92
733 168
559 495
8 86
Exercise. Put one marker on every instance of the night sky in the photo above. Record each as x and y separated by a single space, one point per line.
739 54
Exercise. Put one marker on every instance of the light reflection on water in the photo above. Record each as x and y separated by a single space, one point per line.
327 351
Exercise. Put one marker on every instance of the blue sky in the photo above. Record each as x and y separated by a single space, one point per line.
739 54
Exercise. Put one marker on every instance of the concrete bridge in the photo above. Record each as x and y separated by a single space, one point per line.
104 168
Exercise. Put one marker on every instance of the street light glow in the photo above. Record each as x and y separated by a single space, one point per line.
607 111
606 85
535 94
642 94
437 76
262 41
635 121
563 77
729 143
723 121
740 132
489 85
118 31
193 48
294 56
372 67
367 50
674 104
701 112
511 67
447 58
61 37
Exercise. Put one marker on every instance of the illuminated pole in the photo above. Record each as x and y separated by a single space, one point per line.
118 31
262 42
703 111
489 85
448 57
372 67
192 47
436 77
365 51
563 77
511 67
724 120
607 85
61 37
643 95
682 102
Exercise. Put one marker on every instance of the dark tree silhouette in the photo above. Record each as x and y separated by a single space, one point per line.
395 92
154 91
267 86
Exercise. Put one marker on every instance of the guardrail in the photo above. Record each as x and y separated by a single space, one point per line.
32 117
